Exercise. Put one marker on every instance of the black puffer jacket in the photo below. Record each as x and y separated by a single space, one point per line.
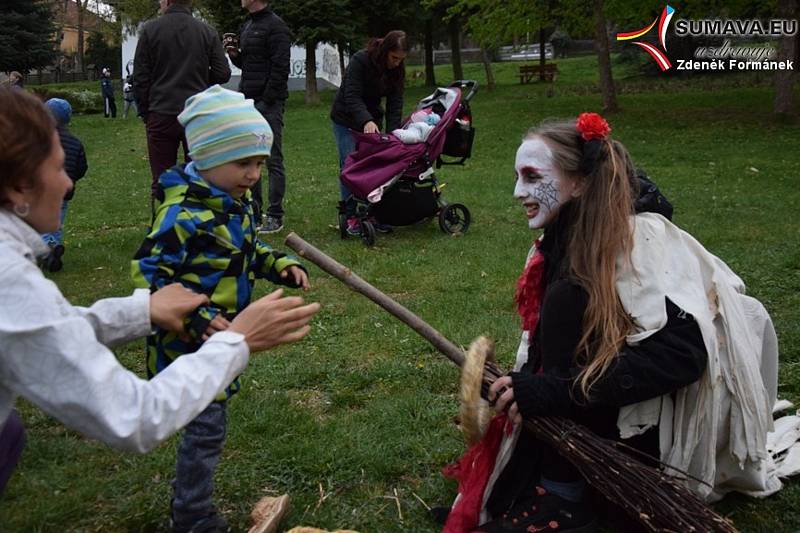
74 157
359 98
265 44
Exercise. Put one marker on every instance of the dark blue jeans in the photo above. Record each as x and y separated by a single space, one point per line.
198 455
345 143
57 237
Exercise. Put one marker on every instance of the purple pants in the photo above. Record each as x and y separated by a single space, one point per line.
12 441
164 135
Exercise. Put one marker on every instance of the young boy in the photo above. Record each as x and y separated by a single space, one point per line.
128 96
75 166
204 236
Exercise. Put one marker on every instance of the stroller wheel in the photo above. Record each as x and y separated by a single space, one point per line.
342 225
367 233
454 218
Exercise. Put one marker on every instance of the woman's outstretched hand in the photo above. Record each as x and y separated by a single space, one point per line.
274 320
170 305
371 127
501 394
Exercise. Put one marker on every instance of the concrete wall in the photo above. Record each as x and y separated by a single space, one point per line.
328 72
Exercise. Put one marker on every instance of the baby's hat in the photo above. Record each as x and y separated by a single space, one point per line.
221 126
60 109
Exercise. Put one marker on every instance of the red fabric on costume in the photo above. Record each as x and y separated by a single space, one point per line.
472 472
475 467
530 291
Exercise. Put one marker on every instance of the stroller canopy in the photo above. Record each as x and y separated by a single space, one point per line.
381 158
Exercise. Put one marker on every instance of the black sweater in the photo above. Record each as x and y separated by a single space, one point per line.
176 56
359 98
666 361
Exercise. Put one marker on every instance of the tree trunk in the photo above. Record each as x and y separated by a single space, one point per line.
455 47
487 66
542 58
312 97
787 51
341 45
604 59
81 10
430 74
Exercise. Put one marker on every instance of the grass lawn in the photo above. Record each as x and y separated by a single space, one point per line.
362 411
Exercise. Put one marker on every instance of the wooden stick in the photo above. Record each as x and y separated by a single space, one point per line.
346 276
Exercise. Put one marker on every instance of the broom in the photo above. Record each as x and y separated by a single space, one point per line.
657 500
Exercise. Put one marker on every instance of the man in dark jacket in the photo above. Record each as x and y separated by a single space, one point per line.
263 54
176 56
107 88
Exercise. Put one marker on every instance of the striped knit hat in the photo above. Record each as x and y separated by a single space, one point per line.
221 126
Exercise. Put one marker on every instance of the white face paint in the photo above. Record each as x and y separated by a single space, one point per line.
540 186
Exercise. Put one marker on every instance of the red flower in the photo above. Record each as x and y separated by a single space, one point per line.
592 126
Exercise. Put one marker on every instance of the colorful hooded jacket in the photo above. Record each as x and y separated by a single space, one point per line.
206 240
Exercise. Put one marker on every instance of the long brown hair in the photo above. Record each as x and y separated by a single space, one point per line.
26 139
378 50
601 234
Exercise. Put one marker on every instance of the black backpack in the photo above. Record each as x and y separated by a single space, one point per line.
650 199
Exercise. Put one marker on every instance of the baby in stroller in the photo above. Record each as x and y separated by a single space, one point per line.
392 177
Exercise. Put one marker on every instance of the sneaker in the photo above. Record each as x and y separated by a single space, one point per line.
53 262
271 224
543 512
379 226
353 226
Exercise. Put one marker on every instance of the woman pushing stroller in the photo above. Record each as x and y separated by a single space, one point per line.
631 328
373 73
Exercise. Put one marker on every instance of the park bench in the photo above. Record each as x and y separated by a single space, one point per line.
528 73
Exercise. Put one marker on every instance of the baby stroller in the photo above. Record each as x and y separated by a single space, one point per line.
395 182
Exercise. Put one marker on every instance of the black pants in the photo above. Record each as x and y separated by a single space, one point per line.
273 113
109 107
12 441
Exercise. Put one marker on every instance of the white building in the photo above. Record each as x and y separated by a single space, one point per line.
328 72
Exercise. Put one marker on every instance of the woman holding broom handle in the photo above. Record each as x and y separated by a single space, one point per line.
632 329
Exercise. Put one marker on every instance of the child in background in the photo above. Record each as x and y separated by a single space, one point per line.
75 166
204 236
128 96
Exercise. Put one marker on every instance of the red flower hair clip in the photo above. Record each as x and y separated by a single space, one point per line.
592 126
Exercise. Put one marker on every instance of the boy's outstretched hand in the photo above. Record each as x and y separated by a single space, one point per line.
297 274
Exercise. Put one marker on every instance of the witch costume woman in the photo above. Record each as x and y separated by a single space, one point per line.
630 328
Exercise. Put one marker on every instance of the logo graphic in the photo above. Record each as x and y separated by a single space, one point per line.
663 22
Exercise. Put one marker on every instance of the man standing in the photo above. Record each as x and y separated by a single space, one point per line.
263 55
176 56
107 88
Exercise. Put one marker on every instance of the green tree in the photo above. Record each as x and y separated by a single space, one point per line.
788 49
225 15
101 54
27 38
313 22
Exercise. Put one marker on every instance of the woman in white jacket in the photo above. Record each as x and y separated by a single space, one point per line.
57 355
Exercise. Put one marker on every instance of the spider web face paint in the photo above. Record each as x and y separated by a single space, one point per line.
539 187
